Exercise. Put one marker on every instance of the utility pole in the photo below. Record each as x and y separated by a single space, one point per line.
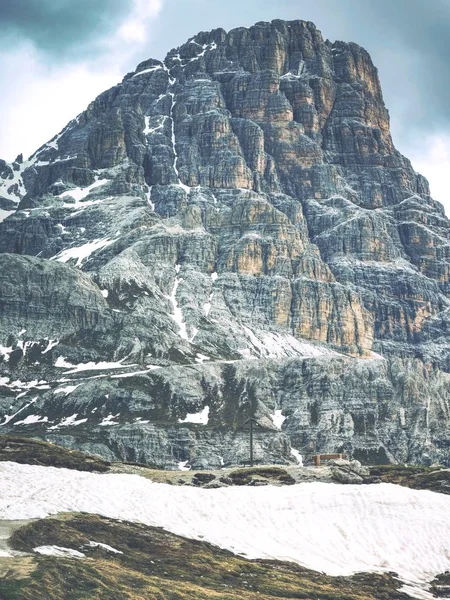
251 419
251 402
251 441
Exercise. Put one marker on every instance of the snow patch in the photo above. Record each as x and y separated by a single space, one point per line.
201 358
68 389
58 551
53 143
278 419
82 205
90 366
5 351
71 421
62 363
161 120
16 182
18 385
200 418
4 214
32 419
266 344
186 188
9 418
133 373
183 466
105 547
51 344
79 193
81 253
290 76
145 71
109 420
205 48
177 315
298 457
148 195
67 158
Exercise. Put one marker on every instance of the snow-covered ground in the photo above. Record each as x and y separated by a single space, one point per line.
267 344
5 214
339 529
58 551
78 194
278 419
62 363
81 253
177 315
200 417
298 457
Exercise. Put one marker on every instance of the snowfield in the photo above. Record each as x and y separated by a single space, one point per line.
339 529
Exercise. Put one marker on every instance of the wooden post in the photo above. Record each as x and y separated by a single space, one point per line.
251 441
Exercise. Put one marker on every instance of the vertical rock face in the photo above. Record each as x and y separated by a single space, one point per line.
240 200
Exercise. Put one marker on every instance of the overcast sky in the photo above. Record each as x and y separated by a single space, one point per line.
57 55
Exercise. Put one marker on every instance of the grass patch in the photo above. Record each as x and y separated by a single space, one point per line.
267 474
159 565
434 479
31 451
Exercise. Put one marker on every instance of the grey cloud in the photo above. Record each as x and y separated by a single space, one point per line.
60 28
418 33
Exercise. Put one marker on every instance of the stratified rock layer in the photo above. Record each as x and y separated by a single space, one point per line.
228 233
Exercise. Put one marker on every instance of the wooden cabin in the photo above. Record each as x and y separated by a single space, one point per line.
319 458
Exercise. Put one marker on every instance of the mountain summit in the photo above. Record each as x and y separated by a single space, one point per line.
229 233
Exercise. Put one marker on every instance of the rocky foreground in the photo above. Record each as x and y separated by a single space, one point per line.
228 233
82 555
153 563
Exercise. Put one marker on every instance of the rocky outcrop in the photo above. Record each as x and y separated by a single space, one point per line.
240 205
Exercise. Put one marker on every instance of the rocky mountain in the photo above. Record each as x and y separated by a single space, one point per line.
226 233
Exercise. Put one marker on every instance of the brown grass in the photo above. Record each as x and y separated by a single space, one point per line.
434 479
158 565
37 452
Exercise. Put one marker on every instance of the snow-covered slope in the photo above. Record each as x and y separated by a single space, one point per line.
327 527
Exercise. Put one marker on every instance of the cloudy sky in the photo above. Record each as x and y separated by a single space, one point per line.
57 55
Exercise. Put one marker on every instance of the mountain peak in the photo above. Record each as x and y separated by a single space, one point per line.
233 223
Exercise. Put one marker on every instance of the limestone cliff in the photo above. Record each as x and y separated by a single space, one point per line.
229 231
